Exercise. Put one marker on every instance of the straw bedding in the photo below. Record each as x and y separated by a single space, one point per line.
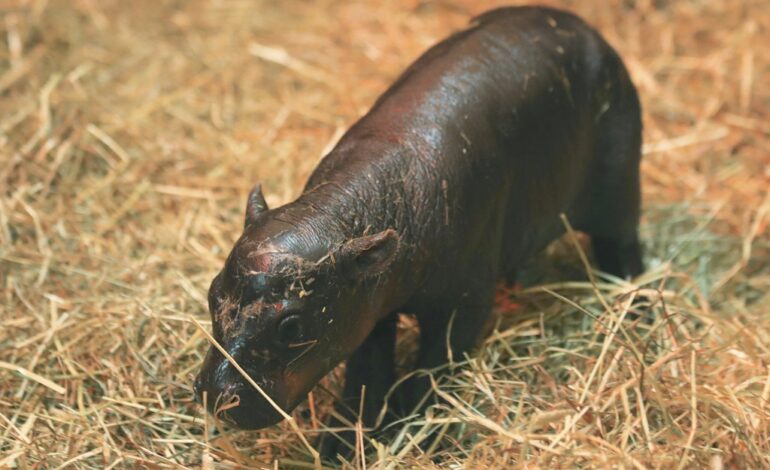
130 133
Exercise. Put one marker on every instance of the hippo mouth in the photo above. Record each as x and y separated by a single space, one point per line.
231 398
246 409
239 404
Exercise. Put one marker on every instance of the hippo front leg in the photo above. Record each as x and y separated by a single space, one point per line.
446 336
369 375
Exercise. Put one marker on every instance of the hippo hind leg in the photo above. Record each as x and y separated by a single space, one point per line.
613 210
618 256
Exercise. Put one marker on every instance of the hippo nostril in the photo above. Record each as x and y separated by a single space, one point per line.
229 390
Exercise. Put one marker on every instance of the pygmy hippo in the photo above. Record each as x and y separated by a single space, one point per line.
457 174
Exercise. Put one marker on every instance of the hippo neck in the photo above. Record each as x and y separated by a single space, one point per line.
360 184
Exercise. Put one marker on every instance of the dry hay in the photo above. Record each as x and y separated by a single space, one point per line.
130 133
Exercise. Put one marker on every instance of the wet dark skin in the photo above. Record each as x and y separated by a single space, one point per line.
457 175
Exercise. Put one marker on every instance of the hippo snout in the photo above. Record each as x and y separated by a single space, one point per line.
232 399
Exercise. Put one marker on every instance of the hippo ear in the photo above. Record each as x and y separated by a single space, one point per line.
370 255
255 205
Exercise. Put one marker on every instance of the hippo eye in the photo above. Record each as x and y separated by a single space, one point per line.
290 330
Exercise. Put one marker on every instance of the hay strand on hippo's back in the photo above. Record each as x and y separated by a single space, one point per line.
131 134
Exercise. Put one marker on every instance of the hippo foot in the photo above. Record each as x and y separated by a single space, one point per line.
338 448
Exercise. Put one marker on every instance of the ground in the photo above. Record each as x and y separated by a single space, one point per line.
131 132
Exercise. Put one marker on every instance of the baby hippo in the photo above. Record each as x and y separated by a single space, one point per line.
457 175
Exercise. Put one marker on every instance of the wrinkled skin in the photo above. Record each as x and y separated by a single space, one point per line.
458 173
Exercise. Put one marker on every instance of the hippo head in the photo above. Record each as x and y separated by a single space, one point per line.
288 306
